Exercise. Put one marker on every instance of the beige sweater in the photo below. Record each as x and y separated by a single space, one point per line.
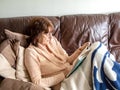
46 64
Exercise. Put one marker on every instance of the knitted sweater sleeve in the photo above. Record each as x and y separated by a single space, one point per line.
33 66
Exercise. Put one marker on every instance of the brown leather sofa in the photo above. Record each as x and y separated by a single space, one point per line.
74 30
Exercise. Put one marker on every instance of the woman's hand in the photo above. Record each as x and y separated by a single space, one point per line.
83 46
67 70
72 59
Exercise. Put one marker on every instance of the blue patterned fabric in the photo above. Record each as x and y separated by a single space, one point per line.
105 69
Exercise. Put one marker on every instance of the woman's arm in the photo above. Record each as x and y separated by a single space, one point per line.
73 57
54 80
33 67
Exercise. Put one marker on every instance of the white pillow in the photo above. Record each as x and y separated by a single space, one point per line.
21 71
6 70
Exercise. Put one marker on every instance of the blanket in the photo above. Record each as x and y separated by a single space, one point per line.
105 69
98 71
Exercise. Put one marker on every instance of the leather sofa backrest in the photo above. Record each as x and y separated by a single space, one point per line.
78 29
114 35
20 25
74 30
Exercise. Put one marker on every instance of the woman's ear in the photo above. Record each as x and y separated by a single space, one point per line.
50 29
35 41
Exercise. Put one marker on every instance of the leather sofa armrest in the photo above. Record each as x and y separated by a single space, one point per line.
1 79
13 84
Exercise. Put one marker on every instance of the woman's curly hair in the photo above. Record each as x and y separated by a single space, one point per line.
38 25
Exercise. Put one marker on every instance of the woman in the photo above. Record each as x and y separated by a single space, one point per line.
46 61
48 64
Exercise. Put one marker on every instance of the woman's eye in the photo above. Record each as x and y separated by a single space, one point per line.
45 32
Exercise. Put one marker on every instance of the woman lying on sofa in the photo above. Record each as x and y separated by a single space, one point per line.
49 65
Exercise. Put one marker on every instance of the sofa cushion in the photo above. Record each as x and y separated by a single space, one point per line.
6 70
18 36
21 71
9 49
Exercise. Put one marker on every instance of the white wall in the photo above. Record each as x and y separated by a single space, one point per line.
13 8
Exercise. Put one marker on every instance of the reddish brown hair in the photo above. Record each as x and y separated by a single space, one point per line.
38 25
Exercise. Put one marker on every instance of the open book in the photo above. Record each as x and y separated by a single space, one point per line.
80 59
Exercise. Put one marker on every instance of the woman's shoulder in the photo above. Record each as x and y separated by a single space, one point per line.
30 48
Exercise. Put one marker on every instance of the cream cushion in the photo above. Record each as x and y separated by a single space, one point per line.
21 71
6 70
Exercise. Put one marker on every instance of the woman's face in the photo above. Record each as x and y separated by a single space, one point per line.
44 37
